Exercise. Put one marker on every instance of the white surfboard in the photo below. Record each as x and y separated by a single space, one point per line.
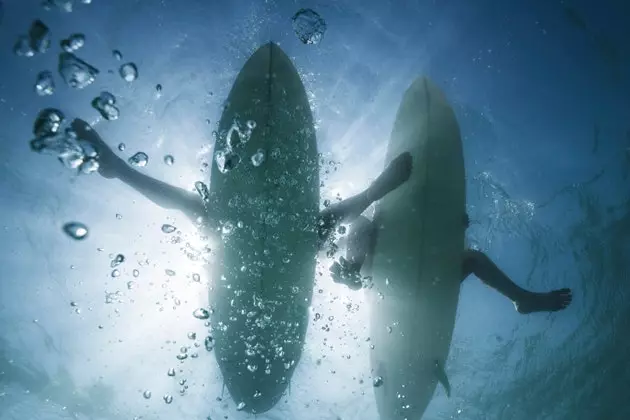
416 262
263 278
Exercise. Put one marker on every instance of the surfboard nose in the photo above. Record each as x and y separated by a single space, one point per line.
423 87
269 49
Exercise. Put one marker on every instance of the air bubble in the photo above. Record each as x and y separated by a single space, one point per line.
76 230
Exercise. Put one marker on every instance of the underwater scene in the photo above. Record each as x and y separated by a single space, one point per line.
325 210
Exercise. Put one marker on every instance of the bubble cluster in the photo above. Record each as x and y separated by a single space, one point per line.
73 43
309 26
105 104
52 138
227 159
36 42
75 72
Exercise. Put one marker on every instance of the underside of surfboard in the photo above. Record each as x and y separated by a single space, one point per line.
264 191
417 255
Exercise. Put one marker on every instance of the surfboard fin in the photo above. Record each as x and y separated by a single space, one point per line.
440 373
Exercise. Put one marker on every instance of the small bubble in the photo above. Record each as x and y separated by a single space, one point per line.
129 72
140 159
202 190
48 122
201 313
276 153
22 47
121 147
105 104
258 158
118 216
131 285
171 372
45 85
378 381
73 43
208 343
115 273
182 356
196 277
76 230
227 160
146 394
240 406
168 398
117 55
136 273
166 228
158 90
192 335
170 272
89 166
169 160
118 259
227 228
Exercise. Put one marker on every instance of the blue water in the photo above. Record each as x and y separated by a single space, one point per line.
541 91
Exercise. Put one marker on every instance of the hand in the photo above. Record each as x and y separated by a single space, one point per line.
110 165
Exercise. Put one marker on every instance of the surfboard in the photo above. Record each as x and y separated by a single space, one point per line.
416 256
264 191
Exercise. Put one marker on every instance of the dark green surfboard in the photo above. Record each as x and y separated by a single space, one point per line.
264 273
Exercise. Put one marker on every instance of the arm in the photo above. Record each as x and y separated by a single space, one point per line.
162 194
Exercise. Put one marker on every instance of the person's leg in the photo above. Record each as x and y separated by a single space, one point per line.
477 263
396 173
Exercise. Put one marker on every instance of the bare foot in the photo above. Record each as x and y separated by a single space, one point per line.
555 300
397 172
